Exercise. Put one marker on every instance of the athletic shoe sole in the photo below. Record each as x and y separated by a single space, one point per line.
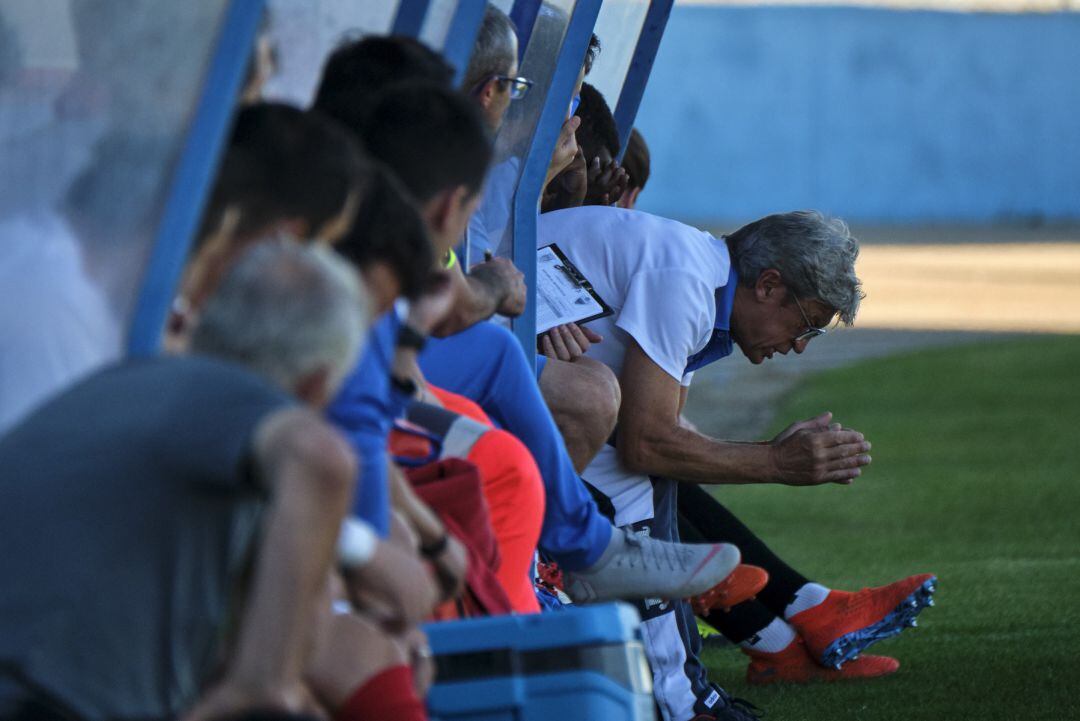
903 616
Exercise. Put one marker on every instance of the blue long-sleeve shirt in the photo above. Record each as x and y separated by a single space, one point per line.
364 410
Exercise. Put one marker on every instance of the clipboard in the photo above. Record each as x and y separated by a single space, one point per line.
563 293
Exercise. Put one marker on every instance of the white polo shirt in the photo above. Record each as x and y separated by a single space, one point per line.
660 278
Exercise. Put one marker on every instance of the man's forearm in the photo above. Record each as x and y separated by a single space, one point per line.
475 300
298 545
684 454
424 521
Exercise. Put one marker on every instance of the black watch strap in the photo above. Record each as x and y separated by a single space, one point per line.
406 385
432 551
409 337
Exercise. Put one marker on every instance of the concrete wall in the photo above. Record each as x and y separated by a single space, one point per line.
874 115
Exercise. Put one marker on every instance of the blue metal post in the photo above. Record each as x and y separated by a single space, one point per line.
640 68
462 36
535 166
524 13
194 173
410 18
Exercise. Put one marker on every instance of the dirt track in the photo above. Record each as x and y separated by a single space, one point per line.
1000 287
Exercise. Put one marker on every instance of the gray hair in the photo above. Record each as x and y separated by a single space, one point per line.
493 53
814 254
284 311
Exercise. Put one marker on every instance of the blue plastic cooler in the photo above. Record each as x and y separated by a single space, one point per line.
580 664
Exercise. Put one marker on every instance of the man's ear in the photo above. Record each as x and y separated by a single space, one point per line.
487 93
770 287
313 388
629 198
438 210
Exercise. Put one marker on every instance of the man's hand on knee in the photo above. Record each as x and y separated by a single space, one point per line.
567 342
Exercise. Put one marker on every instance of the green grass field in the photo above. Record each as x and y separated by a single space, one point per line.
976 477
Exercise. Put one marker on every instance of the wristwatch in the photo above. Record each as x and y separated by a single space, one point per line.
409 337
404 385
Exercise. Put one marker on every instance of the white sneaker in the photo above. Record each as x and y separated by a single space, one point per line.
642 567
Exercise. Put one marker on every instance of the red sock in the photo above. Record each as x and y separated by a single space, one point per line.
387 696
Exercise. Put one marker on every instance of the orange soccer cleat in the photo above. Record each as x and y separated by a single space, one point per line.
744 583
840 627
795 665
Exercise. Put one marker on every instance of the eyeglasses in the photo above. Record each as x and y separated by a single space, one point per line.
519 87
811 331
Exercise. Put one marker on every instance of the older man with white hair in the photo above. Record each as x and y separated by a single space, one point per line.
169 523
682 299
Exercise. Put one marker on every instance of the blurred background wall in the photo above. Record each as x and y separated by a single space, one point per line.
877 115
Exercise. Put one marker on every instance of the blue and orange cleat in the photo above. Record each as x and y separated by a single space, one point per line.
795 665
840 627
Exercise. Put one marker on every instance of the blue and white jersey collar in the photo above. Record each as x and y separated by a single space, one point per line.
720 344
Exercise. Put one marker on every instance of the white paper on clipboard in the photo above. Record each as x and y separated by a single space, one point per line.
563 294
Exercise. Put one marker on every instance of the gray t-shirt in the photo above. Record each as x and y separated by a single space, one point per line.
128 511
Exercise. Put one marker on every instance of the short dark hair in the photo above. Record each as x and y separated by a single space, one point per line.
597 127
360 69
283 162
388 229
432 137
636 159
591 52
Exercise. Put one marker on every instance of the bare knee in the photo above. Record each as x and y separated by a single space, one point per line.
349 650
583 392
601 393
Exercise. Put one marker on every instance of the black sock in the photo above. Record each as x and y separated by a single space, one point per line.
706 519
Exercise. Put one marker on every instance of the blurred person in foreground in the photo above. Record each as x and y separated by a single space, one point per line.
177 546
682 300
290 170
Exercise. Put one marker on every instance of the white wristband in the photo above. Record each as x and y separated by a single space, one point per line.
356 544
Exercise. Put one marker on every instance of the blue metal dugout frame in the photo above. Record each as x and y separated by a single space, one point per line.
461 37
538 158
637 76
410 18
524 13
194 173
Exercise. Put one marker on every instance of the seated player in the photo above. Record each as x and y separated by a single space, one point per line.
218 492
595 177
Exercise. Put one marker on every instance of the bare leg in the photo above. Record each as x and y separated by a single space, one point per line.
584 399
350 650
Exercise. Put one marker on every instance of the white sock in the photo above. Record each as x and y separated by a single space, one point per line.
806 597
775 637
